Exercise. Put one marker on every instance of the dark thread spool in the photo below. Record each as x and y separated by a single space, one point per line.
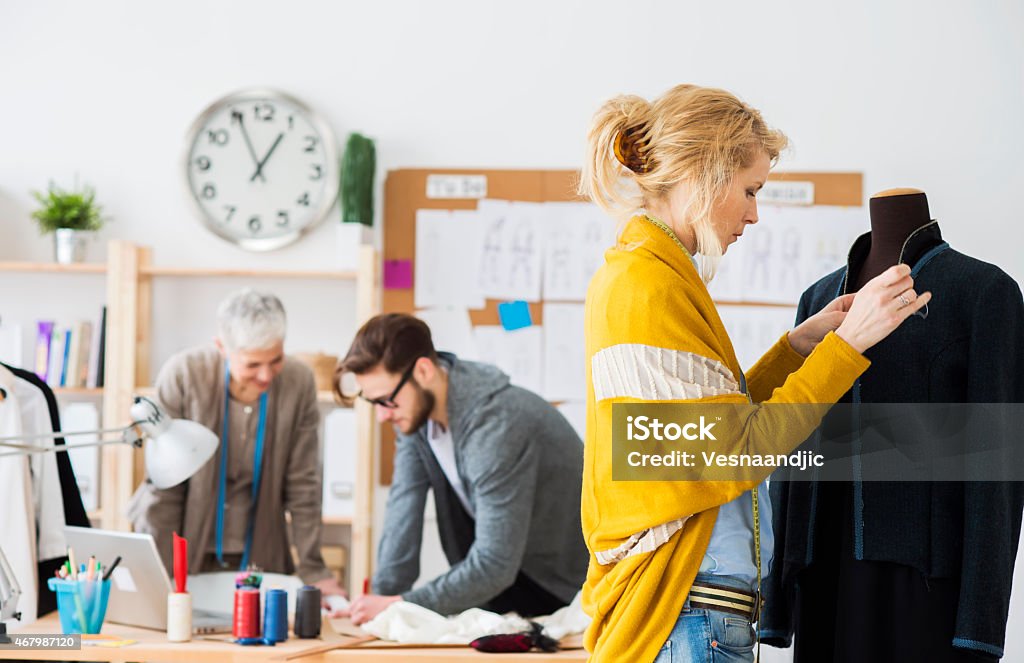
275 616
307 612
247 613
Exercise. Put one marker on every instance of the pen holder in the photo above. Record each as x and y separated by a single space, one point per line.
81 604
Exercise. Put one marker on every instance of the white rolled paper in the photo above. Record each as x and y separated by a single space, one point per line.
179 617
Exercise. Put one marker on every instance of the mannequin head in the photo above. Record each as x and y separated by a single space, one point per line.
902 207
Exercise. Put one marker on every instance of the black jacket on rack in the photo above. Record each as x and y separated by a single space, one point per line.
959 535
74 510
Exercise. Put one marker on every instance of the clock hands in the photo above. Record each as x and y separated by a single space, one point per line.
259 165
238 117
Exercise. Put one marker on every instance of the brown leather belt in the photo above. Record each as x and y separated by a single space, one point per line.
726 599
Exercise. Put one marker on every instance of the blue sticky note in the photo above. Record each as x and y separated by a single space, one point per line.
514 315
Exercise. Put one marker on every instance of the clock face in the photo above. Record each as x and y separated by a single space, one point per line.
262 169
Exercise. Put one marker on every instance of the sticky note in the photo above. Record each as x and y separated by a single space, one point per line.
514 315
397 274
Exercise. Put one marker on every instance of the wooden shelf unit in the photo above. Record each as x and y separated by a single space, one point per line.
53 267
129 295
78 391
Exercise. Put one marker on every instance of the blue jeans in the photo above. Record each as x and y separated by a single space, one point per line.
710 636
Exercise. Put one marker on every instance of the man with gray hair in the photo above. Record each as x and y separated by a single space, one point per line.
263 406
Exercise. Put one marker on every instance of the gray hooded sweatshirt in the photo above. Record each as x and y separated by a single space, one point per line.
521 464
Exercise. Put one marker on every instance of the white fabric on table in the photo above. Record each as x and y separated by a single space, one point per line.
413 624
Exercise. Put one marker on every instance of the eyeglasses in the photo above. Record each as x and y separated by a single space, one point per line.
389 401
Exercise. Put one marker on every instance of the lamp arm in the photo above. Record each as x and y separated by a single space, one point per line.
61 433
129 435
9 590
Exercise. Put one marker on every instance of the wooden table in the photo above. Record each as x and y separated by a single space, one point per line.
153 646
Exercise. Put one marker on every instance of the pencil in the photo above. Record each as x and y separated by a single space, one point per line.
71 561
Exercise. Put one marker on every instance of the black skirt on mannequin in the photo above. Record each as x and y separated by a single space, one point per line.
851 611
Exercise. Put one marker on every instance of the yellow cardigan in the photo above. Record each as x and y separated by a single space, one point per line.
653 334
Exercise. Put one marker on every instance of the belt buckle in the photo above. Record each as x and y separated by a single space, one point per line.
755 613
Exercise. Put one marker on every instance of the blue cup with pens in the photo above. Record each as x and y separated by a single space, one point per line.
81 603
82 594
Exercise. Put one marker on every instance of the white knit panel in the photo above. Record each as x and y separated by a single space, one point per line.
646 541
650 373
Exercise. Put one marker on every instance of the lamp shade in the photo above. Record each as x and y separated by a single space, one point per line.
175 448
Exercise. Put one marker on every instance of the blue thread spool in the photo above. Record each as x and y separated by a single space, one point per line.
275 616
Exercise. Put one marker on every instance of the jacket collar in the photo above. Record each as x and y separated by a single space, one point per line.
920 242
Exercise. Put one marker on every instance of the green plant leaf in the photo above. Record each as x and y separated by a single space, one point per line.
75 210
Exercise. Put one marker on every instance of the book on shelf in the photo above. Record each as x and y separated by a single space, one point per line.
55 372
44 335
101 349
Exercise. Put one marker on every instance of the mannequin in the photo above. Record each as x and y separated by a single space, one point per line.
895 214
907 571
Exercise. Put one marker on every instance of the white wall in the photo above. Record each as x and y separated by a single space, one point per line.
916 94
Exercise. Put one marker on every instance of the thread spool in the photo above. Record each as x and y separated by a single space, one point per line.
179 617
247 613
275 616
307 612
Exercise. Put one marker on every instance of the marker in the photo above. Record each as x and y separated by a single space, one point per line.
366 586
117 560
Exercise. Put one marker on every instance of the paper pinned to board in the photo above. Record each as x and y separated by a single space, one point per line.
565 367
514 315
397 274
575 413
577 236
786 192
511 249
445 272
451 331
456 186
517 353
754 329
787 250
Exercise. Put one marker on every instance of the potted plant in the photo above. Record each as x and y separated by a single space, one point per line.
72 216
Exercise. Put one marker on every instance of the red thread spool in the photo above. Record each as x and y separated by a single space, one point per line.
247 613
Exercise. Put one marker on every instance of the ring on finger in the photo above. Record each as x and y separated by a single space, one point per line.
903 301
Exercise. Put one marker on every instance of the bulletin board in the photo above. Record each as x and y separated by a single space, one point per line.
405 192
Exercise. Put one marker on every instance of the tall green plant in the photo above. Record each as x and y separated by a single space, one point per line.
76 210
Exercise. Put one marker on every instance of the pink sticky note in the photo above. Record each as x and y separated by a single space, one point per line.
397 274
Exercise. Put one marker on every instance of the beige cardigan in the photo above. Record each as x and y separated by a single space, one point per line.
191 386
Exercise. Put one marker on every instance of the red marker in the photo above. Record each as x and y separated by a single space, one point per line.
180 552
366 586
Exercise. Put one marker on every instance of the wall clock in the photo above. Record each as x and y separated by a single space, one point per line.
261 168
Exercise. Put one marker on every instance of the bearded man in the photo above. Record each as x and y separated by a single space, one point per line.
505 468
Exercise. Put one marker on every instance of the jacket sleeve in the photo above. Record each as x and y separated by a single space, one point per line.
772 369
303 486
398 554
992 509
155 511
501 468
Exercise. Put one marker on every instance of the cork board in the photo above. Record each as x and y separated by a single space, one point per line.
405 191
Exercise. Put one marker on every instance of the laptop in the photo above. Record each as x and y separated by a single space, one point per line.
139 585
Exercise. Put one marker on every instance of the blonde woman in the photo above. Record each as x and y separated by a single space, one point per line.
674 572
